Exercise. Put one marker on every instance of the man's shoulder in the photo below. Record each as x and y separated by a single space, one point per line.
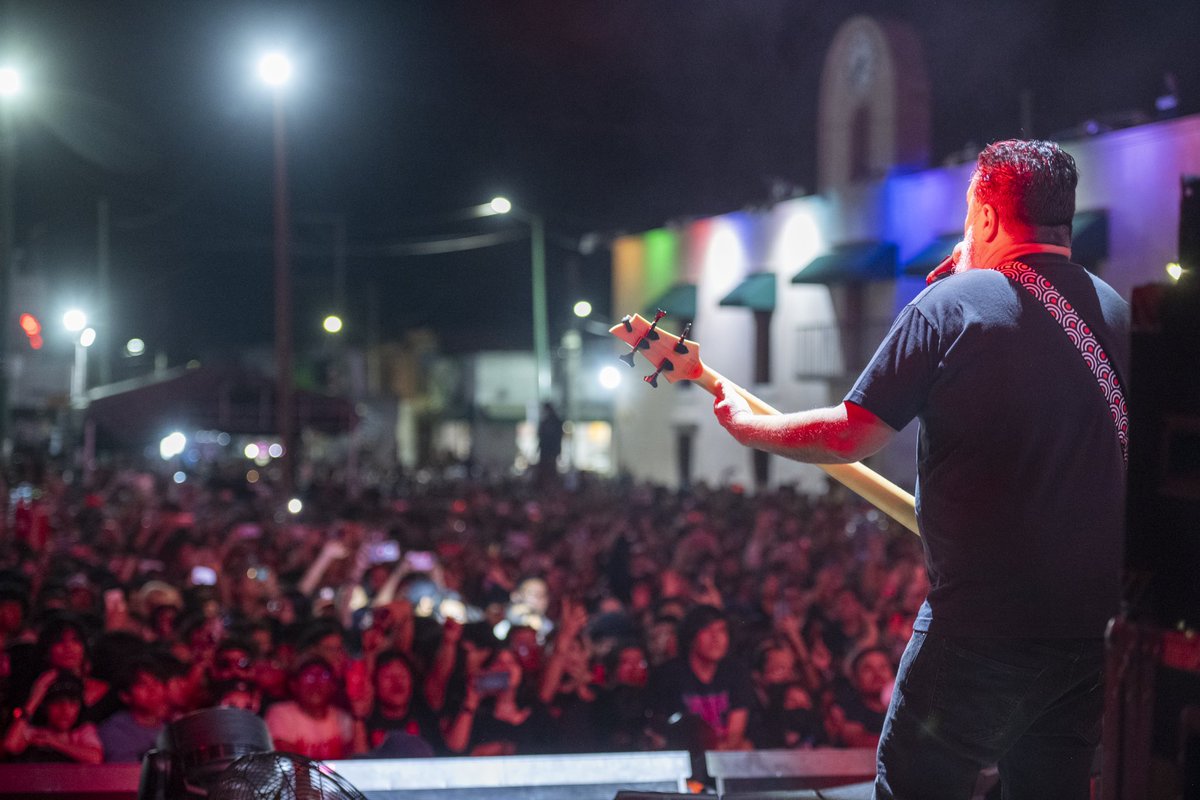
957 286
669 671
283 710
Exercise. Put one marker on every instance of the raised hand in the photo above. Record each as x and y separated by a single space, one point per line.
572 620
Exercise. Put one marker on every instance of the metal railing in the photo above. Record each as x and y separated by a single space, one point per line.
839 351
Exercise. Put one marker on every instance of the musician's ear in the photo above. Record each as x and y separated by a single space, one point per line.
989 222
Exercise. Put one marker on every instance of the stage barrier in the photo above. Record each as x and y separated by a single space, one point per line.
585 776
789 769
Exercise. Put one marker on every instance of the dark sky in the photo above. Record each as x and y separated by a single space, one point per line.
602 115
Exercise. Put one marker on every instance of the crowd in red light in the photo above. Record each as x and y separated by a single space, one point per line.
448 616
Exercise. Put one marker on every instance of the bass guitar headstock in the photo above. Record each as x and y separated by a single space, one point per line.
674 357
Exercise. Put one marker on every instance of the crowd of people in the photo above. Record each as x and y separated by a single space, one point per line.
448 617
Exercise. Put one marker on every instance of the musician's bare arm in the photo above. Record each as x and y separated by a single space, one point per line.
837 435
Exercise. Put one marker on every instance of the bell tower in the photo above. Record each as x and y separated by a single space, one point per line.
873 109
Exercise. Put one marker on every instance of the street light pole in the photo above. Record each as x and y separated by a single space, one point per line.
276 70
541 334
283 303
537 262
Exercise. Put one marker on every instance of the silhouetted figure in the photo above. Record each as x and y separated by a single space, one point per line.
550 436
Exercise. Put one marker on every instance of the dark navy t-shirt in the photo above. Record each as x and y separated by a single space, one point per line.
1020 477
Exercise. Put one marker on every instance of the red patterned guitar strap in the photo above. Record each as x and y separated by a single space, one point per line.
1082 337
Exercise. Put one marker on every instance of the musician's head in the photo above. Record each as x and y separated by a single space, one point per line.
1021 191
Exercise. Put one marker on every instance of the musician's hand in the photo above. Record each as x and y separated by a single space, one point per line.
731 409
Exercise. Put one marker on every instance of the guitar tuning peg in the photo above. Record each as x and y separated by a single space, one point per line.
652 379
680 347
628 357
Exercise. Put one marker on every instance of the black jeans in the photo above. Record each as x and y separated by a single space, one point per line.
1031 706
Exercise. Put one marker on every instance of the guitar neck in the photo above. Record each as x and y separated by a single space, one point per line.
866 483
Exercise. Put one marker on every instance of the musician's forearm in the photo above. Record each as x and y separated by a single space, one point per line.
837 435
820 436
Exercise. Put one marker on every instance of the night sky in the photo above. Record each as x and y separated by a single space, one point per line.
602 115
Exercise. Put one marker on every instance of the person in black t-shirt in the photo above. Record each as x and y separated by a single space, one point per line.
398 704
1021 485
621 712
704 683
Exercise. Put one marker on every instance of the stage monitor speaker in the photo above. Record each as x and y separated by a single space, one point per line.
1189 223
1162 548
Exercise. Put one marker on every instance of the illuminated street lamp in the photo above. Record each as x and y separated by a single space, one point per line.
74 320
332 324
275 70
10 82
537 261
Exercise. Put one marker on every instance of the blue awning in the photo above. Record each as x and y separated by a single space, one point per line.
756 292
679 302
934 253
851 263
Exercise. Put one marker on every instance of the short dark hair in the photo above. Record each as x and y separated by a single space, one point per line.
695 621
1030 181
318 630
388 656
236 643
145 663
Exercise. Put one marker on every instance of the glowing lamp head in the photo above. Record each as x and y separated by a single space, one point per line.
172 445
10 82
583 309
135 347
500 205
87 337
295 506
275 69
1175 270
610 378
74 320
332 324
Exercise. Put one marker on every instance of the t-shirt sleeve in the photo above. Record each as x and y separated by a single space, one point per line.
280 723
87 735
346 728
896 382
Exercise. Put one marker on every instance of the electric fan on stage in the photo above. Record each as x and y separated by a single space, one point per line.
281 776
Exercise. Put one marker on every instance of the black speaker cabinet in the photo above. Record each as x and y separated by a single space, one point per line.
1163 512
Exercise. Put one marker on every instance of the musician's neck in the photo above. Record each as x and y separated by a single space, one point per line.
1018 249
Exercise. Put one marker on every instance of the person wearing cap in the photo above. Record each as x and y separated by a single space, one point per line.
50 726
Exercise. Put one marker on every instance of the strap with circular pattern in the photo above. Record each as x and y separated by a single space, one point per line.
1082 337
